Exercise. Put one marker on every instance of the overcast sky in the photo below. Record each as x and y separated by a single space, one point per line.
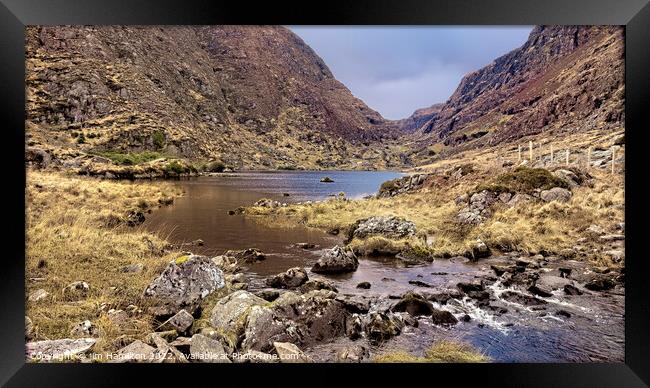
396 70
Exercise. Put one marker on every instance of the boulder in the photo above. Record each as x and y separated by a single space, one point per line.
505 197
476 291
570 289
136 351
292 278
250 255
181 343
380 327
185 282
467 287
443 318
227 264
414 304
522 299
569 177
391 227
420 283
443 297
59 349
229 314
540 291
600 283
558 194
401 185
355 303
478 208
354 326
205 349
520 198
317 284
181 322
336 260
303 320
364 285
479 250
550 283
166 353
134 218
290 353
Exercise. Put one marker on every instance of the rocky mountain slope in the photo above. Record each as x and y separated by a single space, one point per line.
419 118
249 96
564 78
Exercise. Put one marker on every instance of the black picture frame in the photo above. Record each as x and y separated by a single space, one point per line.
16 14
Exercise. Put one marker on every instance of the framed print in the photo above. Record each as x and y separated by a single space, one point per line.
396 190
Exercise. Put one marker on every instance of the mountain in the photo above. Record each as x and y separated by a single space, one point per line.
563 78
250 96
420 117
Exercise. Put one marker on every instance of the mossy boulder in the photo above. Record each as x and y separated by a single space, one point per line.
523 180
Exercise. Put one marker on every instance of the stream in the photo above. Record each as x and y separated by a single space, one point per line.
561 328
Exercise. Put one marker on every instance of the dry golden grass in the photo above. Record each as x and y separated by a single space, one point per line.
71 236
526 227
443 351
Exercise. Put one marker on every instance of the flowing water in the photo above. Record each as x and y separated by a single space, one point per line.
594 332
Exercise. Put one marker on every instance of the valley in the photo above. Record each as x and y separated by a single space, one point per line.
215 190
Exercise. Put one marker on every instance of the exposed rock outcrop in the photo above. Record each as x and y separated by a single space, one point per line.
336 260
185 282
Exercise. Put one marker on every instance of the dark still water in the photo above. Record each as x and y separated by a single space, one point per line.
202 213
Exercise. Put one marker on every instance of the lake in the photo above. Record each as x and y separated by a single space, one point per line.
202 213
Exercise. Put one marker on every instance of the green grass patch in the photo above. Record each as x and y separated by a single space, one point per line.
131 159
158 139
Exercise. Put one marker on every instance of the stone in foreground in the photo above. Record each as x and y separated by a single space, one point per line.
60 349
336 260
229 314
185 282
205 349
555 194
180 322
292 278
136 351
289 352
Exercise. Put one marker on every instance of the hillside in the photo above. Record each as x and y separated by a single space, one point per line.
563 79
197 93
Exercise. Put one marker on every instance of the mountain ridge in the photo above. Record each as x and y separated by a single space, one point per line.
199 93
562 78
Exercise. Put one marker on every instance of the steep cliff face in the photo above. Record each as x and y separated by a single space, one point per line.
419 118
250 96
564 78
